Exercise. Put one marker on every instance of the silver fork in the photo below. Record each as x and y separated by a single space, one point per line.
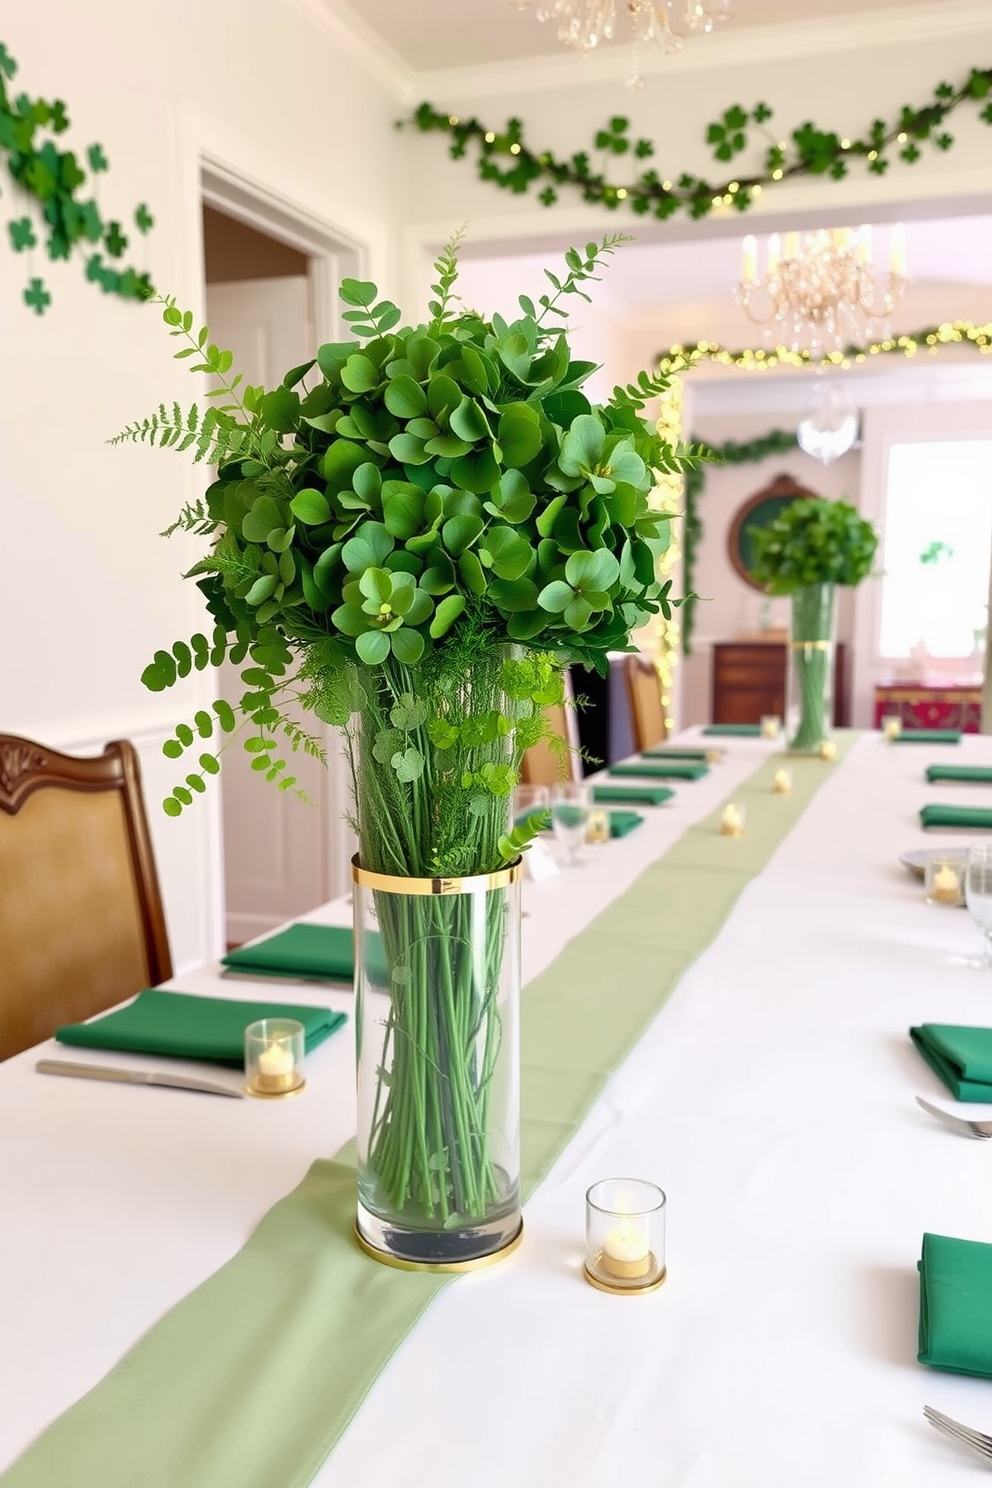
966 1435
980 1129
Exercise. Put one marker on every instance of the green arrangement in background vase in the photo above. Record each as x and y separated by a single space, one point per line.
805 553
410 538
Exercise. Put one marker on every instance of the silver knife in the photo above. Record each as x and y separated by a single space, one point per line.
133 1077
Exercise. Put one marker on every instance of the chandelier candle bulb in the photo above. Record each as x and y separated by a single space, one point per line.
774 255
864 243
732 821
897 251
791 245
749 260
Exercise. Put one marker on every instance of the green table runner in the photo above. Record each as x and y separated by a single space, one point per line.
977 774
309 952
956 1305
251 1379
928 736
660 769
961 1056
977 817
183 1026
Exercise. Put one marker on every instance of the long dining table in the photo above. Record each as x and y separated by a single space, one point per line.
772 1098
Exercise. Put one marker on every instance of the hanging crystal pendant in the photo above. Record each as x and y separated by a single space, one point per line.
829 426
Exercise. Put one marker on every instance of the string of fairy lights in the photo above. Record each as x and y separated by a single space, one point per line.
666 638
682 358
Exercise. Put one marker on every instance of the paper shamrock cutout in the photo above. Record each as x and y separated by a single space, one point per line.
114 239
60 119
22 234
97 159
7 64
143 218
37 296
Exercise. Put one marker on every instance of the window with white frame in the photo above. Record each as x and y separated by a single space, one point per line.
937 544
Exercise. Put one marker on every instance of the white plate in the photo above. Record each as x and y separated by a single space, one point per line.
916 860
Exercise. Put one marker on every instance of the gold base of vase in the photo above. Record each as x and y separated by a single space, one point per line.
400 1264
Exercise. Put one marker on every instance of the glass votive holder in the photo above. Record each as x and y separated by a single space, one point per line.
892 725
732 821
782 782
827 750
771 726
274 1052
598 829
625 1236
943 878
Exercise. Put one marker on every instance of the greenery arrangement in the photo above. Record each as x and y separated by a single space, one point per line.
810 151
411 536
53 180
809 549
733 452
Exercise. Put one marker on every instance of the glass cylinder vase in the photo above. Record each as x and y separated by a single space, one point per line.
437 977
811 668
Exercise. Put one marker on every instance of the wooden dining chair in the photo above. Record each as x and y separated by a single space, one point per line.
81 919
647 715
543 764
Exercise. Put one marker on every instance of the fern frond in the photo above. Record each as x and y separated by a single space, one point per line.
218 437
194 517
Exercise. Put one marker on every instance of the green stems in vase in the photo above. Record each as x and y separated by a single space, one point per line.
811 669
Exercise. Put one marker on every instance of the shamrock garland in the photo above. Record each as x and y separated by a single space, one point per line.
53 177
812 152
776 442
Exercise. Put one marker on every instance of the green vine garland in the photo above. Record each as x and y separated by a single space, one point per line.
812 152
776 442
53 178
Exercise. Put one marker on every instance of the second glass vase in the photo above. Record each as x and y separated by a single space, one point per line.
809 707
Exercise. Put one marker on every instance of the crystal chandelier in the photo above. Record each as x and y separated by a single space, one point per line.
821 291
584 24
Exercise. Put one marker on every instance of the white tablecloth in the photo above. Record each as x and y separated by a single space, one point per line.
772 1099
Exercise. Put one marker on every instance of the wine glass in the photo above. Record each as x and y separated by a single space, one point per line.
571 806
978 896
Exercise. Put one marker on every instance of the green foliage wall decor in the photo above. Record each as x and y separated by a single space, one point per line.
52 180
505 159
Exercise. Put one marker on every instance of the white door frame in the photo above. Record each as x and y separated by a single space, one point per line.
243 178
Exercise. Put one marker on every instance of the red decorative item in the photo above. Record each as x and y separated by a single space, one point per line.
929 705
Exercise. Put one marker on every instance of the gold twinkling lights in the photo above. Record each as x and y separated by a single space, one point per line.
666 635
681 358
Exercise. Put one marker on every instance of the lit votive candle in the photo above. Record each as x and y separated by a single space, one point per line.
943 880
732 821
891 726
828 750
274 1051
782 783
771 726
598 829
625 1235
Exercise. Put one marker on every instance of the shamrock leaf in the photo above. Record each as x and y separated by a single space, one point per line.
143 219
408 764
22 234
408 712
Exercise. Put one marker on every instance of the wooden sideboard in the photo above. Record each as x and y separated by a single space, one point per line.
749 681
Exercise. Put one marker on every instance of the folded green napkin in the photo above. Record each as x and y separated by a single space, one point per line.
309 952
664 753
928 736
622 822
979 774
979 817
188 1027
644 795
962 1057
737 730
956 1305
662 769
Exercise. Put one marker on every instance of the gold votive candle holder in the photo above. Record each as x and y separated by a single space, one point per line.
771 726
943 879
733 820
891 726
625 1236
782 783
274 1052
598 829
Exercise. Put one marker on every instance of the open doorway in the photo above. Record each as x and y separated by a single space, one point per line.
265 289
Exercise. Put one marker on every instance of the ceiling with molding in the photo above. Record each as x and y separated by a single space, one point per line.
431 34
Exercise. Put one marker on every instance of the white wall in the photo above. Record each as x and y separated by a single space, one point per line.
88 589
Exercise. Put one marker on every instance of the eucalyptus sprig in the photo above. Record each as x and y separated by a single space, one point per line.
810 150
